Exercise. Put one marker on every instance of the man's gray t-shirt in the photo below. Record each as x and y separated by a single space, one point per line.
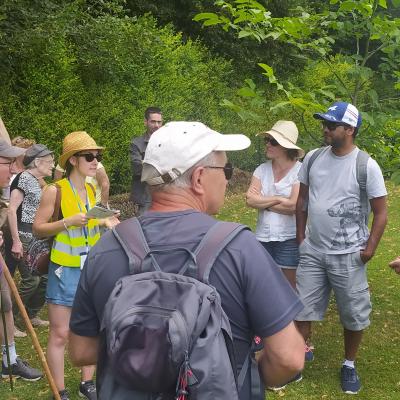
335 224
254 293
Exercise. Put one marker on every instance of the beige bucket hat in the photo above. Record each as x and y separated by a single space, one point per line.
286 134
75 142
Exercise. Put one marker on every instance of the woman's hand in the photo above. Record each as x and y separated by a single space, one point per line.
17 249
76 220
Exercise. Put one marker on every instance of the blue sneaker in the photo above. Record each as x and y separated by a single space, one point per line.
349 380
296 378
309 354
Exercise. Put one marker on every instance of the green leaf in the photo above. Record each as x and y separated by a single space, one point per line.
382 3
201 16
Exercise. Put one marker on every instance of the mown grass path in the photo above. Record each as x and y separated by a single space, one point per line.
379 358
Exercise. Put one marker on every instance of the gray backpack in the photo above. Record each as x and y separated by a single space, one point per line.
166 335
361 175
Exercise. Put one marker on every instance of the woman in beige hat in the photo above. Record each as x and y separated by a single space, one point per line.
74 235
273 191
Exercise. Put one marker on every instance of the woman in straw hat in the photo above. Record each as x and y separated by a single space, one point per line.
74 235
273 191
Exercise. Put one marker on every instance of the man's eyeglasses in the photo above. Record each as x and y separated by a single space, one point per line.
228 170
333 125
89 157
271 141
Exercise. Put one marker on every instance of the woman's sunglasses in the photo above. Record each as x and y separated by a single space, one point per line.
89 157
271 141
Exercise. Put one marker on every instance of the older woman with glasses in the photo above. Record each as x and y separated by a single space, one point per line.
74 234
273 190
25 193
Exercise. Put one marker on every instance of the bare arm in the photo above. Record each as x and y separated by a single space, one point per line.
104 184
3 132
282 357
42 227
16 198
83 350
301 213
288 205
255 199
379 211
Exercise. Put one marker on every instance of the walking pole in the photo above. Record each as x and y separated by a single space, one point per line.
29 327
3 318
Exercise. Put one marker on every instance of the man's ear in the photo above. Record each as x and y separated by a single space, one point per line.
197 180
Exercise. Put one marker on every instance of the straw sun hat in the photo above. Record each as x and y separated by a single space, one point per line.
74 143
286 134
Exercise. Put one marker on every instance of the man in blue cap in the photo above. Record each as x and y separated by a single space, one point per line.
339 186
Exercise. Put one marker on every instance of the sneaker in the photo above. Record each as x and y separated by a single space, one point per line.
21 369
64 395
87 390
37 322
349 380
296 378
309 354
18 333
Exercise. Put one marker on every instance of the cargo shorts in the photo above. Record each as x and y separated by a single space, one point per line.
318 274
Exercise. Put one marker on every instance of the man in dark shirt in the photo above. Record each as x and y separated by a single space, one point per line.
186 168
139 191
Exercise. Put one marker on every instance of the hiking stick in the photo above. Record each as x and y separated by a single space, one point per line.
29 327
3 318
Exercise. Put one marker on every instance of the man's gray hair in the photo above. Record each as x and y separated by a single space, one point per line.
184 181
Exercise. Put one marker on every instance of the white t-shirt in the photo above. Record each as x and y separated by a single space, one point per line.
335 224
272 226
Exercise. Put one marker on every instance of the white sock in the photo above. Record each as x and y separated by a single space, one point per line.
348 363
13 354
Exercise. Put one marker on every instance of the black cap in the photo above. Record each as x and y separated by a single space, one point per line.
35 151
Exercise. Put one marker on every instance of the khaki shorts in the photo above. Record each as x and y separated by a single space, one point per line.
319 273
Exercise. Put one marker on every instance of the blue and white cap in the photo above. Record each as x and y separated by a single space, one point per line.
341 112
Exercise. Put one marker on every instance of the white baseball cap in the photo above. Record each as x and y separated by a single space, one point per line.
178 145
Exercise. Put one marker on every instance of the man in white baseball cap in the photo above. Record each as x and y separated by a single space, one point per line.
187 170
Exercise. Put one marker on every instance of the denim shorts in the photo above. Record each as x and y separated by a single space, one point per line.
61 285
285 254
318 274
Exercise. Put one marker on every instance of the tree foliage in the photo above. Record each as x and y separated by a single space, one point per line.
357 41
86 65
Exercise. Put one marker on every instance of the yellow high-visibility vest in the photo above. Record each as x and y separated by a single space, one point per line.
71 243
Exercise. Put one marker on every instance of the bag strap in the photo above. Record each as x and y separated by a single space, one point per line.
361 174
130 235
313 157
213 242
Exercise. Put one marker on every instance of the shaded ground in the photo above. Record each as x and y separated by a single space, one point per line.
239 183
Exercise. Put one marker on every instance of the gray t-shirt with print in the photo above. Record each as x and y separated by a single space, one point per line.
335 224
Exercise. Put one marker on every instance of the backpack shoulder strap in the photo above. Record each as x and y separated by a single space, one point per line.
130 235
213 242
313 157
361 174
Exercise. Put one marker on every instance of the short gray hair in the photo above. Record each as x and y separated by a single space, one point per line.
184 181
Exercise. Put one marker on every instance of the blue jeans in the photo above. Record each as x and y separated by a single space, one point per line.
285 254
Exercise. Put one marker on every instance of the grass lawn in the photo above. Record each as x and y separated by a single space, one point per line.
379 356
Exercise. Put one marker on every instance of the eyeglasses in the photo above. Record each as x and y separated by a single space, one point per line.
333 125
9 163
271 141
228 170
89 157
